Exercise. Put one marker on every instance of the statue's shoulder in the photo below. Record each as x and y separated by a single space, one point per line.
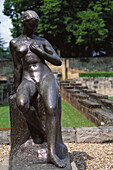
40 39
13 41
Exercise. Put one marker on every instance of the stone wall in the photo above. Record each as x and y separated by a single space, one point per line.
76 134
96 107
102 85
71 67
6 67
5 91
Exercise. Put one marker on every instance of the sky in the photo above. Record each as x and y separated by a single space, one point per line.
5 26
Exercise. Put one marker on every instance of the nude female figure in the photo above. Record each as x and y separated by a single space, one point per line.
32 76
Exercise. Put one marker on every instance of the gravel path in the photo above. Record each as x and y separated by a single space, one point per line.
87 156
92 156
4 150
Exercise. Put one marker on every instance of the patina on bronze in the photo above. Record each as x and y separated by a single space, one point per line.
33 79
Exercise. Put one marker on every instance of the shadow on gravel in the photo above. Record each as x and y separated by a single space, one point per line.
80 159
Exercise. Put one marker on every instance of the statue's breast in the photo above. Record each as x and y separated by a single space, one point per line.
22 49
24 52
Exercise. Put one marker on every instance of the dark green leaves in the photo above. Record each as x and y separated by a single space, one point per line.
70 25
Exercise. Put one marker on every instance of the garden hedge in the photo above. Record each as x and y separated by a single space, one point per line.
96 74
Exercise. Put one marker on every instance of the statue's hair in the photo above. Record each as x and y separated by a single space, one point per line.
28 15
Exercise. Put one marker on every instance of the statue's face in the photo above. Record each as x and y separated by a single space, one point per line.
30 26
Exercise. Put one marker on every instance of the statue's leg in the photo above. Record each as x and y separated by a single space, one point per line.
61 147
59 116
50 93
27 92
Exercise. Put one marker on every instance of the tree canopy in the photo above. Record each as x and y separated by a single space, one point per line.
4 52
76 28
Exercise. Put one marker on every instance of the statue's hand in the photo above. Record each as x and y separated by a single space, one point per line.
36 48
12 95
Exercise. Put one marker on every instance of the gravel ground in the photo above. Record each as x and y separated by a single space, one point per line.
4 150
92 156
86 155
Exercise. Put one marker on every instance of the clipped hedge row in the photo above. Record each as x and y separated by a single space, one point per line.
96 74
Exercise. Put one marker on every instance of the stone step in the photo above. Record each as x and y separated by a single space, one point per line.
88 91
104 116
76 84
89 104
68 80
65 81
98 96
81 87
64 84
107 103
73 90
68 87
80 96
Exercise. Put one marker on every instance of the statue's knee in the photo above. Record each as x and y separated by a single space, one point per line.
52 110
22 105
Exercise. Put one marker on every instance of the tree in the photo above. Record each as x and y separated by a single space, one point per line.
15 8
4 52
91 30
72 26
104 8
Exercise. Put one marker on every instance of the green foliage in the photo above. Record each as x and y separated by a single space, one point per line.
4 52
90 28
15 8
1 44
7 71
70 25
7 53
110 98
96 74
104 8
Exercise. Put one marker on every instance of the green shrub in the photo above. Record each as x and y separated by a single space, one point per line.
96 74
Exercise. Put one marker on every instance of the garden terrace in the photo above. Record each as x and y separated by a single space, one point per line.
94 106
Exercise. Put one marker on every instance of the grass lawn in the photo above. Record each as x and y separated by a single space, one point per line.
70 117
4 116
110 98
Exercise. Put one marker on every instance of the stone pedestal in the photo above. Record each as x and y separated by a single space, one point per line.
25 154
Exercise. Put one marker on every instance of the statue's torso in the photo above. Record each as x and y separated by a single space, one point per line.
34 67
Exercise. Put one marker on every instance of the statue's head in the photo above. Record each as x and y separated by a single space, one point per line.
30 21
29 15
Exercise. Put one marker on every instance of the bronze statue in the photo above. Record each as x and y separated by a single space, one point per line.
33 77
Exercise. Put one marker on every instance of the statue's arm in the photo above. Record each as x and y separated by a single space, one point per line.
17 66
48 53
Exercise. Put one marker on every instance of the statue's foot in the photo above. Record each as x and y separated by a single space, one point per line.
62 153
68 163
53 158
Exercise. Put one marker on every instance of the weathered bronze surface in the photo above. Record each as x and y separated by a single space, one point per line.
34 81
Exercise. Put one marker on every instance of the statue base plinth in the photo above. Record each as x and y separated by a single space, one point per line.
32 156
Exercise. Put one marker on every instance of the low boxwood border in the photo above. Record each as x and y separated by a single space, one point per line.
96 74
